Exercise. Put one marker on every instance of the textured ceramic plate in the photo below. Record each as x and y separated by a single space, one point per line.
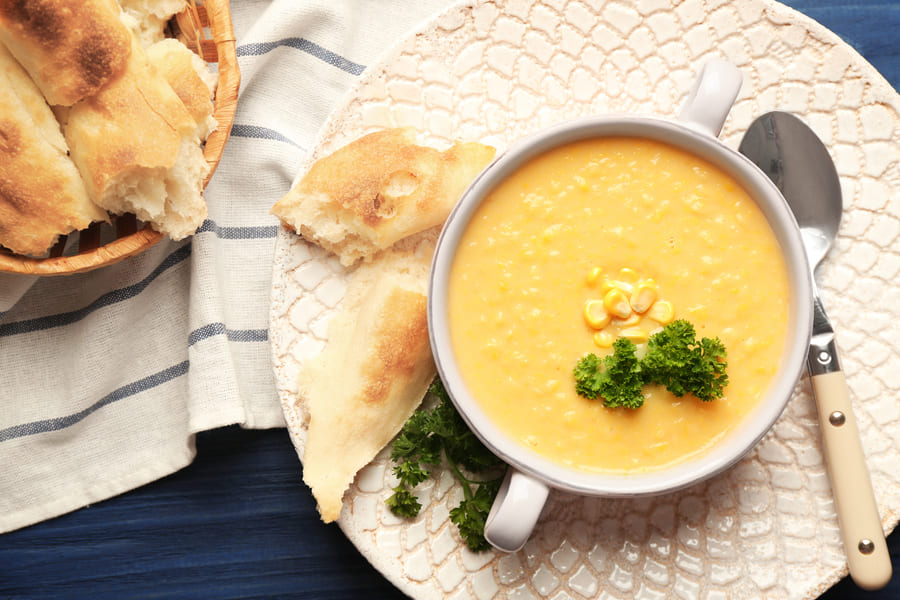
497 70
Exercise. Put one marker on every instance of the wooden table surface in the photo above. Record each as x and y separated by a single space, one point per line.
236 524
239 523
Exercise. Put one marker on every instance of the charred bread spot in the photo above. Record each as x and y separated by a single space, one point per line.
42 19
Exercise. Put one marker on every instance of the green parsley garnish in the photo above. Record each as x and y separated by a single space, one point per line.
674 359
430 437
615 378
684 365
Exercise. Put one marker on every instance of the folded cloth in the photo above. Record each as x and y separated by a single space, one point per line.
108 375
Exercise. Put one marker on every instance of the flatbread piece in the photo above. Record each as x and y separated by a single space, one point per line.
373 372
42 195
377 190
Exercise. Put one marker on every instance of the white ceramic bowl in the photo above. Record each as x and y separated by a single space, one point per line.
525 490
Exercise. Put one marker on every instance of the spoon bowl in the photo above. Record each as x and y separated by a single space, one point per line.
775 142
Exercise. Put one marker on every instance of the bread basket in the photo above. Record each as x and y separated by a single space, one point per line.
205 27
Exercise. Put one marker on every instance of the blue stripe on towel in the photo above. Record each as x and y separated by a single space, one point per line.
262 133
303 45
126 391
113 297
141 385
119 295
234 335
239 233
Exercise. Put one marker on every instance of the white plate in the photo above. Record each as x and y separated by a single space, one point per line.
496 70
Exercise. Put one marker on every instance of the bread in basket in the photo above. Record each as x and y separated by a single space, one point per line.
205 28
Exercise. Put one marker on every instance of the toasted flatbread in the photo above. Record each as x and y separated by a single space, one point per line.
70 48
42 195
373 372
190 78
377 190
136 146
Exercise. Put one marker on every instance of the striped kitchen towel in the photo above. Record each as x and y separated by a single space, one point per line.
105 377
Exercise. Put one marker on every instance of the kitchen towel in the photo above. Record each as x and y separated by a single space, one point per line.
106 376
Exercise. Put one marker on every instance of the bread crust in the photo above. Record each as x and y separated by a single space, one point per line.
70 48
42 194
181 69
137 121
378 190
136 146
372 373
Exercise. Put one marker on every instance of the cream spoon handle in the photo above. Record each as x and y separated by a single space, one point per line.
860 525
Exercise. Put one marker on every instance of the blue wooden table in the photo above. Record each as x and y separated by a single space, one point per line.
239 523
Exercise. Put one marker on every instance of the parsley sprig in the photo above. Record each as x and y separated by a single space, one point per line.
677 360
674 359
616 378
430 437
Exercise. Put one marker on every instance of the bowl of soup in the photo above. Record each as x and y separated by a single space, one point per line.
613 227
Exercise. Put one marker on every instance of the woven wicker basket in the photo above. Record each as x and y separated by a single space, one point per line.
206 29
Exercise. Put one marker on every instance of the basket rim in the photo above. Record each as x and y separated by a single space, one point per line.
218 15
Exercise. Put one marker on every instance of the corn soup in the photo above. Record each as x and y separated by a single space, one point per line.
658 228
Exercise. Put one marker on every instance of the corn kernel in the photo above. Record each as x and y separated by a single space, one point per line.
635 334
595 314
644 295
615 284
631 321
616 303
604 339
662 312
594 276
628 275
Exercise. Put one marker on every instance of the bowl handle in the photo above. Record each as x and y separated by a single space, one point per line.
711 97
515 511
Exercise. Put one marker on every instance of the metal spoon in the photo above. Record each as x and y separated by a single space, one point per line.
793 157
